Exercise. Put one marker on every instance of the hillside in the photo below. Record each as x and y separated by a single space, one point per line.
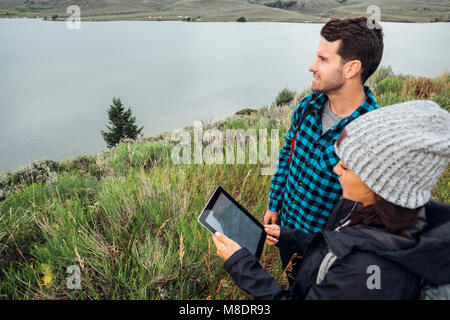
127 217
230 10
305 6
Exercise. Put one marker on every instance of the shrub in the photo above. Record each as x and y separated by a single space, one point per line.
241 19
443 99
137 155
84 164
42 171
243 123
390 84
285 96
74 184
246 112
422 88
381 73
389 98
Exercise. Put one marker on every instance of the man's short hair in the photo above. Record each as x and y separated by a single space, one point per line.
359 42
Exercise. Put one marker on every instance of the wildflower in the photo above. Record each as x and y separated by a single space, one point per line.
47 280
48 275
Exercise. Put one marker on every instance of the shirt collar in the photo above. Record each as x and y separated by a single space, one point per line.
370 103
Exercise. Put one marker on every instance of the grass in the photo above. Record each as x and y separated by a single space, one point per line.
128 216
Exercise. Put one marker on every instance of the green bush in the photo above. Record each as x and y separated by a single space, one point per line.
381 73
390 85
389 98
137 155
246 112
241 123
84 164
285 96
241 19
443 99
74 184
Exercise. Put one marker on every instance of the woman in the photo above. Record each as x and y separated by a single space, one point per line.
377 243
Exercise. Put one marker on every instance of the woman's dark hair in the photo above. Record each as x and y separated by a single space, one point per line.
384 214
359 42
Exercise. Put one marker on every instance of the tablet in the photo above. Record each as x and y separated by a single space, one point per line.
224 214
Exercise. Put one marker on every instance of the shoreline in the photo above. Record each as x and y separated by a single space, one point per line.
176 19
203 21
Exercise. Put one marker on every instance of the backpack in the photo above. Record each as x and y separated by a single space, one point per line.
437 213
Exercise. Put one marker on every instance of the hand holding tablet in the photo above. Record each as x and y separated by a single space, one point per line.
224 214
273 233
225 246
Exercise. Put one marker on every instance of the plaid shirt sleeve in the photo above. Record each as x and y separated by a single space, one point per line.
282 171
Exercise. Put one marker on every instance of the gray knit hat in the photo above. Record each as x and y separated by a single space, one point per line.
399 151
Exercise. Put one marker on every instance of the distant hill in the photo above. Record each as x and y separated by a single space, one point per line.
306 6
230 10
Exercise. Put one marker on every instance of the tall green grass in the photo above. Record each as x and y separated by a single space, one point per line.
124 232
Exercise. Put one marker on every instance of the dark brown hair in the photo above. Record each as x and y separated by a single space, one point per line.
384 214
359 42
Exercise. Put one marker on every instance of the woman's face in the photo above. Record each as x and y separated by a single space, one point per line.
352 186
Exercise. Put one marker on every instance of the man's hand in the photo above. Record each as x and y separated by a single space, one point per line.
225 246
273 233
270 216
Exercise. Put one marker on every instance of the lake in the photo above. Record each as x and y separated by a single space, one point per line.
56 84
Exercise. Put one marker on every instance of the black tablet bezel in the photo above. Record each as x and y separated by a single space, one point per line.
219 190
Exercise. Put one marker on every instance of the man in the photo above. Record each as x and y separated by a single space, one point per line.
304 189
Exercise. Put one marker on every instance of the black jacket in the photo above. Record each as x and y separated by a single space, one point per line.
421 253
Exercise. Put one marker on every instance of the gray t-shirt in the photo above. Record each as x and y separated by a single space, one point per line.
329 119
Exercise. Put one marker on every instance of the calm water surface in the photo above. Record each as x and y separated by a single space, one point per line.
56 84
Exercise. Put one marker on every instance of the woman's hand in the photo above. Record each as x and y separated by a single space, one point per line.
273 233
225 246
270 216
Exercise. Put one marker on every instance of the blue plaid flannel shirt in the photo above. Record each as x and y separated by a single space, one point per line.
305 191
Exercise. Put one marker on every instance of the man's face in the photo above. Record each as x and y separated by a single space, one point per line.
327 69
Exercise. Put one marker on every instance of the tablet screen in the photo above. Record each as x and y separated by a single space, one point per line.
224 216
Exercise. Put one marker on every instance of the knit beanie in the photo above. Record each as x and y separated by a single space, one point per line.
399 151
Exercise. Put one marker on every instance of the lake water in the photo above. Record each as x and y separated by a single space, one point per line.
56 84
